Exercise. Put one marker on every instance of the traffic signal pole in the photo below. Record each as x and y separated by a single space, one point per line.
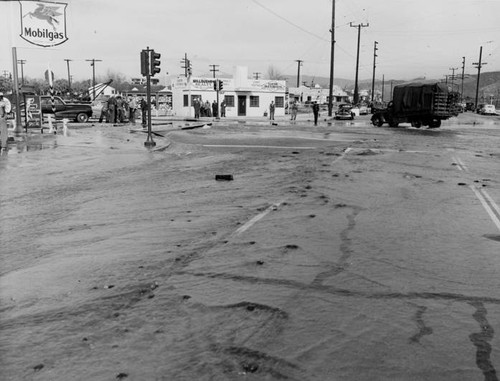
150 65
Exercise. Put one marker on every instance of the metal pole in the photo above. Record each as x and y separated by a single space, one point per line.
332 56
374 66
18 127
356 91
149 141
462 87
69 75
383 85
299 63
479 65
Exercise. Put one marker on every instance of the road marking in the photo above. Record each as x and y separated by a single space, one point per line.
485 200
275 206
461 166
258 217
482 195
249 146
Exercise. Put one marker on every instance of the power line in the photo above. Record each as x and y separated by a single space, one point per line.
288 21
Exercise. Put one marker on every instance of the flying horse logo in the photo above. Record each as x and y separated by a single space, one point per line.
44 12
43 23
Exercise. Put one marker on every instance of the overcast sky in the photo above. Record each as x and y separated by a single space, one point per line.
415 37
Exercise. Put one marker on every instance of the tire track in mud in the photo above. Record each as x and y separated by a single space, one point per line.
345 248
423 330
332 290
481 342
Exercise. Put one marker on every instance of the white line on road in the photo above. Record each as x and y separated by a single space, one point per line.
251 222
249 146
486 205
482 195
275 206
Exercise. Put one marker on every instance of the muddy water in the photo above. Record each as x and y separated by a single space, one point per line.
328 263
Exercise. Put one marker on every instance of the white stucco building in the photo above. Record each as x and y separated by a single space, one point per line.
243 96
318 94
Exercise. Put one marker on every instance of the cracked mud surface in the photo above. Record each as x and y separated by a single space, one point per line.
332 263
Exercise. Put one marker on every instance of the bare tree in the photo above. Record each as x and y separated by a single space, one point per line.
274 73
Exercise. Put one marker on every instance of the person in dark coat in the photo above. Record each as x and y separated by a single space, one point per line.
197 107
214 109
271 110
315 108
112 109
144 112
223 109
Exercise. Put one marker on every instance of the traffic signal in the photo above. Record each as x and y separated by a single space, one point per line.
190 71
221 84
155 62
144 63
216 85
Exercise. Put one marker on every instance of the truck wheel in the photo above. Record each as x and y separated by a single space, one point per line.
416 123
435 123
377 121
82 118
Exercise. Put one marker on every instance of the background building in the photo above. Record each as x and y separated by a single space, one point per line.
243 96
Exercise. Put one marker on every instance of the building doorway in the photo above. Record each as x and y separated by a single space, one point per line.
242 105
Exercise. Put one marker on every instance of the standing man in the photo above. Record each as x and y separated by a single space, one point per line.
5 108
132 106
144 112
294 111
271 110
223 109
315 108
197 107
214 109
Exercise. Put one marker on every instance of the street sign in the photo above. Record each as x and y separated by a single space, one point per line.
43 23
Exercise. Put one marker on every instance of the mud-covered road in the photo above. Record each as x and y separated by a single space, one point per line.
338 252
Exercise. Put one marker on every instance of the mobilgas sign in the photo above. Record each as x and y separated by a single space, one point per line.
43 23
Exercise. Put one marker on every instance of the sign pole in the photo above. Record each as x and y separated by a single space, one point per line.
149 141
18 127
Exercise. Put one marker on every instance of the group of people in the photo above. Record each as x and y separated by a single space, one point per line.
205 109
116 109
293 111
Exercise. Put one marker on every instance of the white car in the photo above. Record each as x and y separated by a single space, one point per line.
488 110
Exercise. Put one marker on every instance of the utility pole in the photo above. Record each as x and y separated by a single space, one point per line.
22 62
479 65
332 56
453 76
383 86
256 75
374 66
462 87
299 62
214 69
93 60
69 75
356 90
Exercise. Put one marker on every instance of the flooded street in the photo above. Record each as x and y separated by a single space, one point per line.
338 252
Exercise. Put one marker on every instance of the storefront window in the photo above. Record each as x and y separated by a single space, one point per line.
229 100
186 98
254 101
280 101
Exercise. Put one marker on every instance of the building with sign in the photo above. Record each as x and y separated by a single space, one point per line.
306 94
243 96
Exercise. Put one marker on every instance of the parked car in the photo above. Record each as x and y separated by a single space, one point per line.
79 112
344 112
488 110
363 109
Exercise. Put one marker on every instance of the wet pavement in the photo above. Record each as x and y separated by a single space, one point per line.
337 252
